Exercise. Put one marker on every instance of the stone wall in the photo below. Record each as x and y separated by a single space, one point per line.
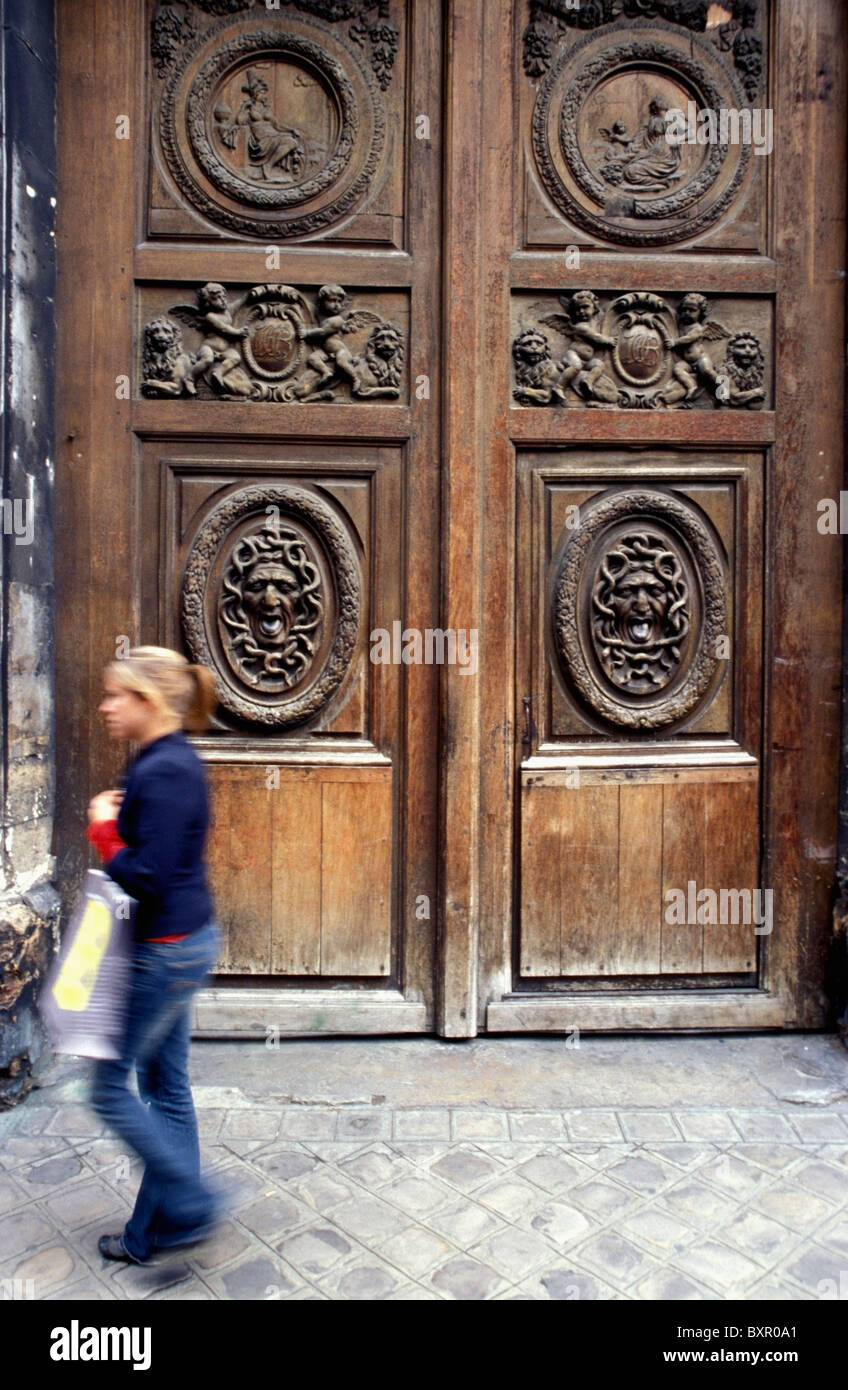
29 904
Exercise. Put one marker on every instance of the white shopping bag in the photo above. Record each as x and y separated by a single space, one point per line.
84 997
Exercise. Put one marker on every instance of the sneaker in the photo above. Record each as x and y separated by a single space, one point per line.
113 1248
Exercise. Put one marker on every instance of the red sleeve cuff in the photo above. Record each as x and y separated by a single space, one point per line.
103 834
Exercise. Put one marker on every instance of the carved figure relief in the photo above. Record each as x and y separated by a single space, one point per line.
270 344
646 162
272 128
638 604
167 370
275 151
640 351
602 147
271 599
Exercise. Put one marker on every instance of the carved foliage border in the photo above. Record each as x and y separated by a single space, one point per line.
566 628
307 225
294 502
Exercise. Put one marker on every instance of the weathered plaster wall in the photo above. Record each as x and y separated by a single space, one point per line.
28 901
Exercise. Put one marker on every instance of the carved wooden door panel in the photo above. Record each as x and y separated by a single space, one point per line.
255 260
662 413
395 311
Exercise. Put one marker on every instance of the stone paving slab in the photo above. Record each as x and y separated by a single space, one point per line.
636 1192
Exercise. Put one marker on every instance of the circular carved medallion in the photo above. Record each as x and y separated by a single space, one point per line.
601 128
271 601
638 606
272 131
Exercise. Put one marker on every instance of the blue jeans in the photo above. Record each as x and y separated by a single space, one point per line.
173 1201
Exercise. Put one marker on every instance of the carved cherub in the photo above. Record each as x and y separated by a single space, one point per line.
584 370
333 358
616 134
697 368
217 360
166 368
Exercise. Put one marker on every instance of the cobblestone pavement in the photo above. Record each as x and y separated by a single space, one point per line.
708 1168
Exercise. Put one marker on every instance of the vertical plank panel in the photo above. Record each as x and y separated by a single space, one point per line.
635 947
356 878
588 876
296 877
731 863
541 848
683 828
249 884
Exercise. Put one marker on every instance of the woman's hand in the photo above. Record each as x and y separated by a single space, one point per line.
105 805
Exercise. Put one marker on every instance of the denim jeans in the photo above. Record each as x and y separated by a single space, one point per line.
161 1127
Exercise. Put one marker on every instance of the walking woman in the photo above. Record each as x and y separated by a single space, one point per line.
150 838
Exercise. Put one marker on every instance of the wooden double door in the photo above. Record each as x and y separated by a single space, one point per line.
468 411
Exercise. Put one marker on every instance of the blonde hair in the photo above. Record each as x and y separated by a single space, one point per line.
181 691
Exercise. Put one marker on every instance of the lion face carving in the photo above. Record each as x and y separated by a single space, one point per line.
640 613
529 349
161 347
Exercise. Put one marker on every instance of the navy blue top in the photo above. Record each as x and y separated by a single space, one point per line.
164 818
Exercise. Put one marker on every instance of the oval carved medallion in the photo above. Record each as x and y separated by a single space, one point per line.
271 601
638 609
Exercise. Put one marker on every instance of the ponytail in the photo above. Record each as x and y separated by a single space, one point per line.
203 700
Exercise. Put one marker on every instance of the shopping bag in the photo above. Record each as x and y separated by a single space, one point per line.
84 996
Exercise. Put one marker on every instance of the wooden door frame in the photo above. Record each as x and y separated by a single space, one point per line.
805 457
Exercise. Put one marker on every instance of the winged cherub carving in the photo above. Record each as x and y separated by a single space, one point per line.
585 371
696 369
331 358
217 360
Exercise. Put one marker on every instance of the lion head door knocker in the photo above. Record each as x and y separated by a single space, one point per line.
638 609
271 599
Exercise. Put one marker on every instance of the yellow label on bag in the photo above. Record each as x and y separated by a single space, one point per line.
77 977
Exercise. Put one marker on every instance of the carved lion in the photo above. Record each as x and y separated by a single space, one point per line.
745 364
166 368
384 353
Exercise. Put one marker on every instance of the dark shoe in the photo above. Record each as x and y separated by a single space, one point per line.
113 1248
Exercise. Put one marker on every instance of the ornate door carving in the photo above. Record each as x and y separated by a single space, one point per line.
520 319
